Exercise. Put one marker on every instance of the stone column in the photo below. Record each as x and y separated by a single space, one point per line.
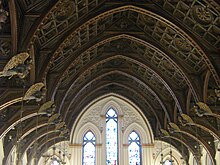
125 151
147 154
99 154
76 154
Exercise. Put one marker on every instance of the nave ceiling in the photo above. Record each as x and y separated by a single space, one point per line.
161 55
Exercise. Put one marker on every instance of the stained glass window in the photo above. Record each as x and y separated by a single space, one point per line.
55 162
111 137
89 149
167 162
134 149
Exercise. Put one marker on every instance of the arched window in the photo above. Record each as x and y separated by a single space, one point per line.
134 149
89 149
55 162
167 162
111 137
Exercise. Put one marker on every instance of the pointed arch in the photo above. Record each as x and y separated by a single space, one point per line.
89 149
111 136
134 149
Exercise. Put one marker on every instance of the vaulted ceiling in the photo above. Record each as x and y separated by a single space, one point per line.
163 55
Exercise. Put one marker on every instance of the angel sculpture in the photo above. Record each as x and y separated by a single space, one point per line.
35 92
18 65
47 108
202 109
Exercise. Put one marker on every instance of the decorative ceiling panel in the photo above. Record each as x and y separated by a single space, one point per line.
63 16
199 16
171 39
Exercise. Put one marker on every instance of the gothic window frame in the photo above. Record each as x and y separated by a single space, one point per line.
115 119
138 142
102 105
52 162
88 141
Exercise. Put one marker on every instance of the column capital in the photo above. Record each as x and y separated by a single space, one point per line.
148 145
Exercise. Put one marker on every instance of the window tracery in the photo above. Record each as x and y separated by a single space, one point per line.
89 142
111 137
134 149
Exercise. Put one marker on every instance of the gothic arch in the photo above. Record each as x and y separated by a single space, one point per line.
142 132
78 135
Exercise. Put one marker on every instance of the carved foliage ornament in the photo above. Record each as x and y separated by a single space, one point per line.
183 45
202 14
18 65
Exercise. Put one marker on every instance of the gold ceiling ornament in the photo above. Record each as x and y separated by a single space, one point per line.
55 119
64 133
172 127
164 133
61 126
182 44
35 92
47 108
19 65
185 119
202 109
202 14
